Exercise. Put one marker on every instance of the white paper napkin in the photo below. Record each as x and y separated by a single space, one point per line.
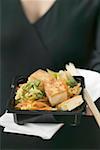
43 130
92 82
47 130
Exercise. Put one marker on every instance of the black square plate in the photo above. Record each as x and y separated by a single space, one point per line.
41 116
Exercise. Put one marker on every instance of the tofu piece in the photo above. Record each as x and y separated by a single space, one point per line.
71 103
40 75
56 91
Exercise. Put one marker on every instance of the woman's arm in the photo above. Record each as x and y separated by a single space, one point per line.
94 63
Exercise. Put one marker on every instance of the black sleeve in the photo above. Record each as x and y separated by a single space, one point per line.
94 63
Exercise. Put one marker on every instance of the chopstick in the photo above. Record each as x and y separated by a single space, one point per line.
92 106
73 71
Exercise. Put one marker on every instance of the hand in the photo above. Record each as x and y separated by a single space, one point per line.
88 111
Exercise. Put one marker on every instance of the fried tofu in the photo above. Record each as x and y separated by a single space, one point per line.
56 91
40 75
71 103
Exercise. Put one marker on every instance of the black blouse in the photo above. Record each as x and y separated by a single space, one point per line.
68 32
